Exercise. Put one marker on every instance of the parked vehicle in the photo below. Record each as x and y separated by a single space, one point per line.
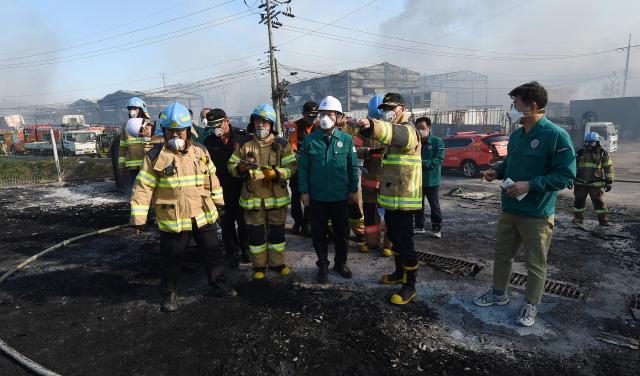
72 143
608 134
472 151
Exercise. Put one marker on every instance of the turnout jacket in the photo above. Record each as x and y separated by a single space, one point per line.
132 149
401 175
594 167
272 152
183 188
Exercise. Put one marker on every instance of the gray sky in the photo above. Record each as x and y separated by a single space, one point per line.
62 51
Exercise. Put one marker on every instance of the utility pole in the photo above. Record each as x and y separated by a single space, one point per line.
164 84
626 68
270 18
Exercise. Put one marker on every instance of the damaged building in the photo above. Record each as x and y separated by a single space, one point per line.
353 87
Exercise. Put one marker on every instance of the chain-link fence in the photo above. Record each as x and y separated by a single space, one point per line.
81 156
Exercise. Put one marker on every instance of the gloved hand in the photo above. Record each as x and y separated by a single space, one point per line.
607 187
375 152
243 167
220 210
270 175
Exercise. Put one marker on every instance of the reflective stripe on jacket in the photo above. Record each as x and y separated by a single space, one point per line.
401 175
594 167
270 153
183 188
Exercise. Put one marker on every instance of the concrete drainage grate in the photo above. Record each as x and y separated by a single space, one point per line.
564 289
449 265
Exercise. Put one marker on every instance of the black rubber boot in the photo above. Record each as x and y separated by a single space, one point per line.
323 273
397 276
408 290
343 270
169 301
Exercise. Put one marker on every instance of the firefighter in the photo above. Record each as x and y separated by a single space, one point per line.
328 179
594 177
178 178
400 188
370 151
132 148
297 131
222 140
264 164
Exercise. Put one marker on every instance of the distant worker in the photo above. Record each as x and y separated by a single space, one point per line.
540 162
370 151
179 180
328 182
132 148
432 157
222 140
3 148
400 189
264 164
594 177
297 131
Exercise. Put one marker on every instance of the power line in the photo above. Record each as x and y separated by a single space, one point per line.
396 48
229 18
330 23
508 53
118 35
133 81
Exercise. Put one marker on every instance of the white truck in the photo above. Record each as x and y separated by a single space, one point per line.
74 143
608 134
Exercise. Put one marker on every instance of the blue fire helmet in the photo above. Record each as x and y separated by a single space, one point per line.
265 111
139 103
175 116
374 102
592 137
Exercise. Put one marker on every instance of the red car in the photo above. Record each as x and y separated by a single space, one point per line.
471 152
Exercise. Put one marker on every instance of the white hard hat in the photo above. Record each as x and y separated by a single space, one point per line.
330 104
133 126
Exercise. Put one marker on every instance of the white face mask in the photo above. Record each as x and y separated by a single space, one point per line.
176 144
133 113
203 122
326 122
515 115
423 133
390 116
263 133
218 132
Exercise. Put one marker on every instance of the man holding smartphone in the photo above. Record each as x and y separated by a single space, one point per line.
540 162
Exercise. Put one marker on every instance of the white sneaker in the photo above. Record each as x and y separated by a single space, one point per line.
419 230
436 234
527 314
490 298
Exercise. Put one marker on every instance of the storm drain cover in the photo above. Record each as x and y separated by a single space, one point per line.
448 264
564 289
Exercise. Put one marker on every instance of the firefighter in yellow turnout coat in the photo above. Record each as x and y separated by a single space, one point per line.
265 164
132 147
400 188
178 178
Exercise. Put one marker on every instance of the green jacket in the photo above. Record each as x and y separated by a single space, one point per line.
432 157
328 171
545 157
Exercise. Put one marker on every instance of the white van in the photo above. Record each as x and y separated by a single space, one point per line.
608 134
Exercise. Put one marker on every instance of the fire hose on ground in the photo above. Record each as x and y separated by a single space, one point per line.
9 351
